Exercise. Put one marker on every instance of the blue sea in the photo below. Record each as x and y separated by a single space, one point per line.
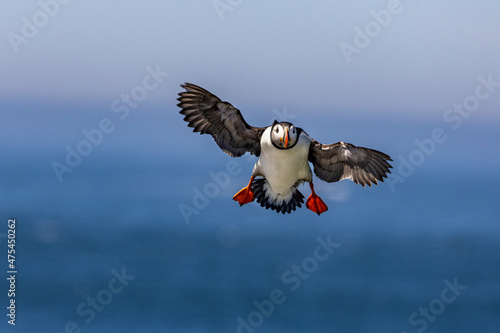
143 236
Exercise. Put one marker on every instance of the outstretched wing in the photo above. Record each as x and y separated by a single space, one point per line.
207 114
343 160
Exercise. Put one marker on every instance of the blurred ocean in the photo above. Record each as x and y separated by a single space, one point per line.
108 250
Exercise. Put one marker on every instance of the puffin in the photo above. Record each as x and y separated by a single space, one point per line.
284 153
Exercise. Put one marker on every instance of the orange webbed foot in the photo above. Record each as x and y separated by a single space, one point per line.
245 195
315 203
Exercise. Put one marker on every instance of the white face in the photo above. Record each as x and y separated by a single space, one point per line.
284 135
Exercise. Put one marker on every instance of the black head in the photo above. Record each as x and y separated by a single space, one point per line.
284 135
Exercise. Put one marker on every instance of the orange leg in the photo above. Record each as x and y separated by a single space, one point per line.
245 195
315 203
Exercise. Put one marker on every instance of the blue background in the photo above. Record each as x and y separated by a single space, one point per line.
120 208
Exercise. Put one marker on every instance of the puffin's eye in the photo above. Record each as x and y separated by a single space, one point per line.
293 130
276 129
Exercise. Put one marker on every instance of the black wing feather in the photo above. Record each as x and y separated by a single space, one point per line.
207 114
346 161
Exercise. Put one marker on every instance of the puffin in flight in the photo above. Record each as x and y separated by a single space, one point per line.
284 153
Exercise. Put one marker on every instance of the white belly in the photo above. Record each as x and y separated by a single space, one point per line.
283 168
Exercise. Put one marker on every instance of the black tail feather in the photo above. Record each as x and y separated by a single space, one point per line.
262 197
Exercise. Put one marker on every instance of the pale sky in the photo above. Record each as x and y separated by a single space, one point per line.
421 60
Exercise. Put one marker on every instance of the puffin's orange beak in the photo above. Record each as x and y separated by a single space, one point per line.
286 137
